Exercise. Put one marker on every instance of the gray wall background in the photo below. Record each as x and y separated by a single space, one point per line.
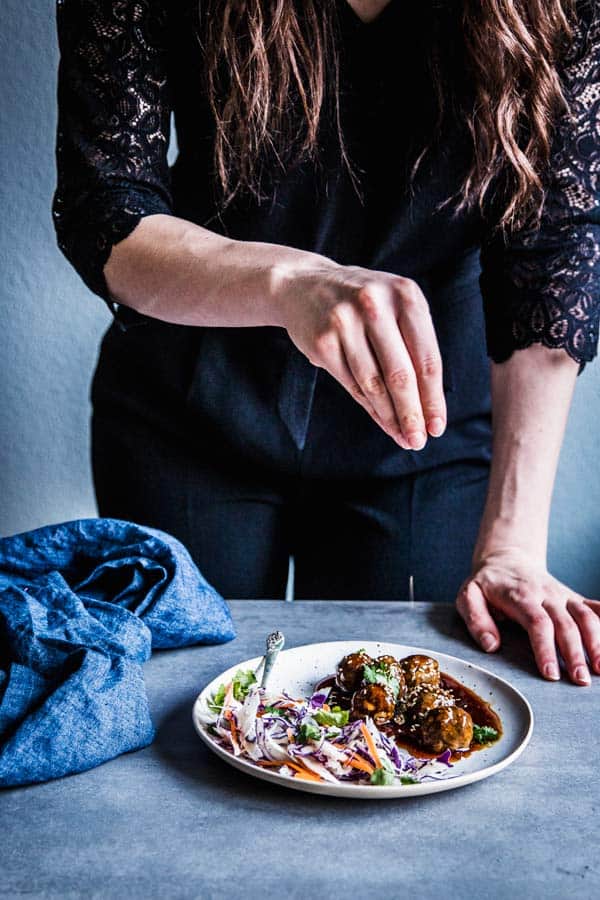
52 325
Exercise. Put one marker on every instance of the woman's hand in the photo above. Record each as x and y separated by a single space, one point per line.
508 582
373 332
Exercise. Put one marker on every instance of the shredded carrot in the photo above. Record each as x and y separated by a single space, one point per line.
304 773
301 772
290 734
326 707
371 745
228 714
357 762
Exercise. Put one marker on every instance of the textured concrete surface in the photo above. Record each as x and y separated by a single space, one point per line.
175 821
52 327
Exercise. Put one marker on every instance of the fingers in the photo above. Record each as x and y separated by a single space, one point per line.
540 628
416 325
393 353
370 378
594 605
554 618
337 365
397 379
524 604
588 623
473 608
383 335
549 624
569 640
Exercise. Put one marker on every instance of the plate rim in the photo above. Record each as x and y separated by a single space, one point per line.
365 791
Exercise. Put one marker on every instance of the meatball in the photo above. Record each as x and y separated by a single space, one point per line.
375 700
349 670
424 702
421 670
393 667
447 728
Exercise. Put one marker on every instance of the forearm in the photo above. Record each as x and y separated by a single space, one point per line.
171 269
531 396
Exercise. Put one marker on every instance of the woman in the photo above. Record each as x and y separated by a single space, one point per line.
370 199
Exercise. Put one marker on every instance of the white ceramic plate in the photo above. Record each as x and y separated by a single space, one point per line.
298 669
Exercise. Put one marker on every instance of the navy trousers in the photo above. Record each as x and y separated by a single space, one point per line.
188 436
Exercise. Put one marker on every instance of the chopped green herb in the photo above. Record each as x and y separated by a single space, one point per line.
275 711
308 731
380 674
484 734
370 674
216 703
242 680
408 779
382 776
336 716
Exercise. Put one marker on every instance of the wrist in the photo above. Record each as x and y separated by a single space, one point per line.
502 535
288 281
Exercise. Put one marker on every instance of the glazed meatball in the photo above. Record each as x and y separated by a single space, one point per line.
349 670
394 668
420 671
447 728
375 700
424 702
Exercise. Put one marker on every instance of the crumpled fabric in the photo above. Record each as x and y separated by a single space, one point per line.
82 604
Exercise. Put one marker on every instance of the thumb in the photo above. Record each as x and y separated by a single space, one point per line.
473 608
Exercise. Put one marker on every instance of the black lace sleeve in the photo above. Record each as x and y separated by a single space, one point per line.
544 285
113 128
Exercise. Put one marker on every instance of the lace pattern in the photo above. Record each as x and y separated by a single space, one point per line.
113 128
545 285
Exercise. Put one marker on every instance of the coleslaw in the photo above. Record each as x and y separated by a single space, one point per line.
310 739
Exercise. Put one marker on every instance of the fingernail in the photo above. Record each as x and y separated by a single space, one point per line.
582 675
417 440
487 641
435 426
551 671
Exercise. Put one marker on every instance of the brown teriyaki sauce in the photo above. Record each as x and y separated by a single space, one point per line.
480 711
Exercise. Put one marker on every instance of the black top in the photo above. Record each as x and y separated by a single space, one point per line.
124 66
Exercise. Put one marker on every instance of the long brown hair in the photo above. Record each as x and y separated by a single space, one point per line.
264 59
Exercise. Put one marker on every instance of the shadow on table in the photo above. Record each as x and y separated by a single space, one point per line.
515 649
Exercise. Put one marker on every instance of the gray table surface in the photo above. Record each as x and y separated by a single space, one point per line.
173 820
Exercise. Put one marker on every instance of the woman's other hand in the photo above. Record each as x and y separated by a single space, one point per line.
508 583
373 332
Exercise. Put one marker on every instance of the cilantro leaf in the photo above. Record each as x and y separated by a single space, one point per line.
484 734
408 779
382 776
380 673
336 716
216 702
308 731
242 680
275 711
370 674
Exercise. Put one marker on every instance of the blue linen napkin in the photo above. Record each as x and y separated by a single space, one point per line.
82 604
